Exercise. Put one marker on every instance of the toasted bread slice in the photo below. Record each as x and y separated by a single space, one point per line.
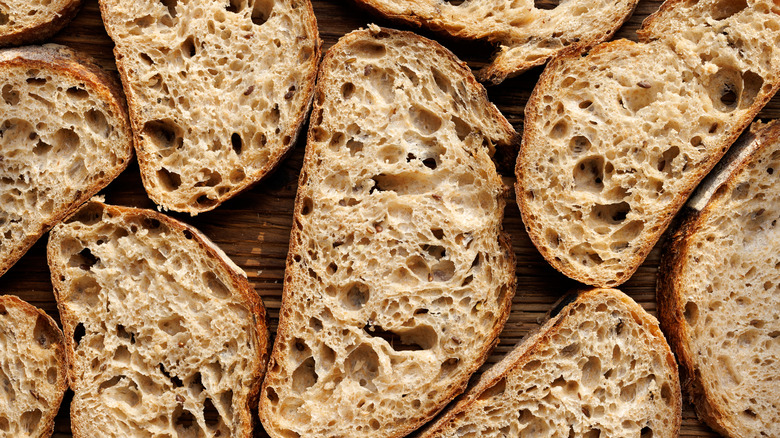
600 367
717 290
218 90
526 34
399 277
64 135
29 21
33 375
165 336
616 140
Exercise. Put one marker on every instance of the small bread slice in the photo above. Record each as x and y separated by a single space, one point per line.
64 135
717 290
399 278
33 375
165 336
218 90
600 367
29 21
616 140
528 35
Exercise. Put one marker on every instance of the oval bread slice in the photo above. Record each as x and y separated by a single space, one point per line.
29 21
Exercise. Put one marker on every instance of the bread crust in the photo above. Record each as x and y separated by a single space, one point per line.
69 63
44 30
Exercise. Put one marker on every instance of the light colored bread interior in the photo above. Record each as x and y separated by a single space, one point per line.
217 90
25 21
32 370
165 337
600 368
399 278
64 135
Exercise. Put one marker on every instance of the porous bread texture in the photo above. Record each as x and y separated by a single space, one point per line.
399 278
527 32
28 21
164 336
32 370
717 293
218 90
601 367
64 135
616 140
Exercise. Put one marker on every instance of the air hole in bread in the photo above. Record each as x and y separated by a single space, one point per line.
123 333
589 174
579 144
424 120
188 47
356 296
610 213
271 395
362 365
77 93
691 313
726 8
96 121
171 6
85 260
170 181
3 311
38 82
205 201
211 414
215 285
304 376
30 420
4 19
185 423
751 86
646 432
41 148
175 380
369 49
10 96
497 389
236 143
78 333
42 332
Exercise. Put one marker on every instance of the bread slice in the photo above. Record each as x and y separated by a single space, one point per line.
600 367
218 90
64 135
527 33
399 278
717 290
165 336
616 140
32 370
29 21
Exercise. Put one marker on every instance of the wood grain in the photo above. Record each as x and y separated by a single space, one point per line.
254 227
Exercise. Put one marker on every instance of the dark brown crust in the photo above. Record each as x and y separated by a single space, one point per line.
145 159
671 281
534 342
42 31
239 282
284 328
62 384
69 63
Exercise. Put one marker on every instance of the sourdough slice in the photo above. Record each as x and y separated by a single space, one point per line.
616 140
64 135
33 375
528 35
28 21
165 336
217 89
399 278
600 367
717 290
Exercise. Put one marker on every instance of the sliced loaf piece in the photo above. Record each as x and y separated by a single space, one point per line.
33 374
616 140
165 336
64 135
528 32
399 277
28 21
718 297
217 89
600 367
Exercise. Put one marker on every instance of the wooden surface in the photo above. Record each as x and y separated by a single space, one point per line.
254 227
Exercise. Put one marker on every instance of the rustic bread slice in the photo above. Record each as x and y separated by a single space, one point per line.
218 90
399 277
717 290
616 140
33 375
28 21
64 135
165 336
600 367
528 34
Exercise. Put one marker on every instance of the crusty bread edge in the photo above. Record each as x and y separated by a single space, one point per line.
62 383
44 30
237 277
80 67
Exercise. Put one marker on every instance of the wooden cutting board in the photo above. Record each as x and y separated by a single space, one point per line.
254 228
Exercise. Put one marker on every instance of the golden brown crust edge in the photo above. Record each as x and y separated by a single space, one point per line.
44 30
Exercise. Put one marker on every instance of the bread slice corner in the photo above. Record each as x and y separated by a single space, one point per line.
31 21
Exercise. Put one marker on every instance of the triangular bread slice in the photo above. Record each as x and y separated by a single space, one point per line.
165 336
599 367
33 374
527 33
64 135
29 21
616 140
399 278
217 90
718 286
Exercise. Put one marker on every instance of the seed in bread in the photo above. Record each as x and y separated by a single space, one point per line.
29 21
